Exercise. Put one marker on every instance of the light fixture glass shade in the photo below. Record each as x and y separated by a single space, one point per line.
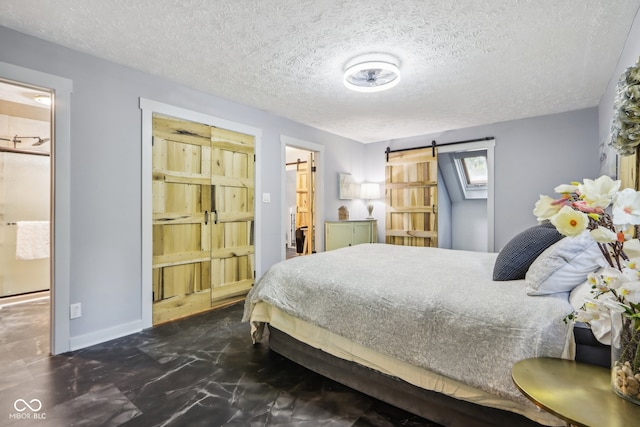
372 76
43 99
369 190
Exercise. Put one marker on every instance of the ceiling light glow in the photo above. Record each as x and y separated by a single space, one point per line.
371 76
43 99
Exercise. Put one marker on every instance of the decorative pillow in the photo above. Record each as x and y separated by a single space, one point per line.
514 259
564 265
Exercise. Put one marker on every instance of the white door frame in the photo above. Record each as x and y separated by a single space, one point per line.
149 107
319 190
60 197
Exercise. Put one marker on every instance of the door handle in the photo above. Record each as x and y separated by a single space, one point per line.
206 217
215 216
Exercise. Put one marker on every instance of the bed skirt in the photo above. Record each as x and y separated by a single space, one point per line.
430 405
424 393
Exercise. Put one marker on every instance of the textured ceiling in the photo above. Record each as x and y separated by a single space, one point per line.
463 63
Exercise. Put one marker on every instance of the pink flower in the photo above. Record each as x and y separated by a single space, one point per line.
583 206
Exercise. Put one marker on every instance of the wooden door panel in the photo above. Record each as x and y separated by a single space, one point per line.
412 198
181 306
183 131
180 280
302 195
233 196
305 201
181 242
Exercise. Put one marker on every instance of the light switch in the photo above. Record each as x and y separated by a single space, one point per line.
266 197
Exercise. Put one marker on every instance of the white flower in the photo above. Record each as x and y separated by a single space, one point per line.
566 188
546 207
626 207
630 291
570 222
599 192
615 290
610 278
630 274
603 235
633 264
592 310
610 302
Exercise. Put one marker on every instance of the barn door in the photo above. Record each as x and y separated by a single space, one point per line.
232 196
412 197
203 191
305 202
181 244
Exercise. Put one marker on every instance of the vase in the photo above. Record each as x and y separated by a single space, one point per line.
625 358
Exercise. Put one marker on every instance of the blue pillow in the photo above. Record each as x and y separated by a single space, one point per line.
516 257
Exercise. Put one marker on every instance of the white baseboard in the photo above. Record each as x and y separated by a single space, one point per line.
97 337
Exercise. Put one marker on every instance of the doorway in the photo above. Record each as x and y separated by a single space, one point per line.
291 150
226 209
25 216
466 220
300 201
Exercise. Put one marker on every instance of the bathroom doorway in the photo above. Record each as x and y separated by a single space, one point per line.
25 214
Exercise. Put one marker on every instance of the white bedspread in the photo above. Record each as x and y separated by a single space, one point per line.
435 308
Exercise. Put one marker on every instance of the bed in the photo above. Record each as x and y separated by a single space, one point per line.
425 329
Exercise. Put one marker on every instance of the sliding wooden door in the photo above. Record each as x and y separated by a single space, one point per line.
305 202
412 197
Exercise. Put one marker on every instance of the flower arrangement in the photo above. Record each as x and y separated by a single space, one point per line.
615 291
625 127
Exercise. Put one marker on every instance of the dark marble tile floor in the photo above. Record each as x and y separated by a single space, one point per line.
200 371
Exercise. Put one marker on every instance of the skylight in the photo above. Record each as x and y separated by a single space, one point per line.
472 170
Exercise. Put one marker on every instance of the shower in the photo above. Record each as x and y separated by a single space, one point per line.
17 139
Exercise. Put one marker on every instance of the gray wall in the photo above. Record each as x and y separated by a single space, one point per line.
469 225
445 213
467 221
105 205
290 197
532 156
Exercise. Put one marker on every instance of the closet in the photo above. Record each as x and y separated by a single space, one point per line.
203 217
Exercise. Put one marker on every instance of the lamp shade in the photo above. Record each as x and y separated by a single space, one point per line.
369 190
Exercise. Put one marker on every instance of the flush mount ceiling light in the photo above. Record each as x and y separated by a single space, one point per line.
372 76
43 99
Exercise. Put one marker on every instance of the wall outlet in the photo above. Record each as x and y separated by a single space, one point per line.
266 197
75 311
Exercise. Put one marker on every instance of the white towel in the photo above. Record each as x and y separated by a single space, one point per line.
32 241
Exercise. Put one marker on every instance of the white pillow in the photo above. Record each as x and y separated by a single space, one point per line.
564 265
579 294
